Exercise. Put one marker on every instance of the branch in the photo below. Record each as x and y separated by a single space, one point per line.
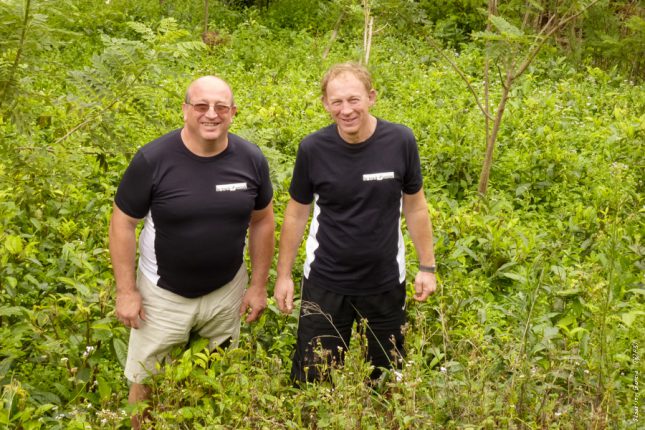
378 30
334 34
369 40
499 75
34 149
462 75
92 116
205 16
529 59
21 47
367 30
525 20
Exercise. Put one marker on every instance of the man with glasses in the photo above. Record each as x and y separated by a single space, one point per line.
360 173
199 189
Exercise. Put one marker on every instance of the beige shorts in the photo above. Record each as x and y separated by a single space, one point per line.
170 319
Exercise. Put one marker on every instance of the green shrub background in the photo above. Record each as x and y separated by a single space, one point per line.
538 319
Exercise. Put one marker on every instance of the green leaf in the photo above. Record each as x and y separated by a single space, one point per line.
522 189
567 320
559 271
44 408
504 26
120 350
186 412
536 5
514 276
66 280
12 311
628 318
436 360
568 293
549 333
5 365
105 390
13 244
578 332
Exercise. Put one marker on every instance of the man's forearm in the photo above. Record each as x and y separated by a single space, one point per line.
261 246
123 250
293 229
415 210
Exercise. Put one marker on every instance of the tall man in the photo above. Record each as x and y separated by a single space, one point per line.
359 173
198 189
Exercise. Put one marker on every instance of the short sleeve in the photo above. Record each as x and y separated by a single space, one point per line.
265 190
301 189
412 180
134 192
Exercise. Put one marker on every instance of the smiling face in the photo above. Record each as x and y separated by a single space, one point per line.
207 130
348 100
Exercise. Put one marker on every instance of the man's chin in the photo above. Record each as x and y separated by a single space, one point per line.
349 131
211 135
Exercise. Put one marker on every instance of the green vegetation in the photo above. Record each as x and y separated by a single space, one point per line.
538 322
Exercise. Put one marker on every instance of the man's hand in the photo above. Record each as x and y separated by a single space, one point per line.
424 284
255 301
129 309
283 294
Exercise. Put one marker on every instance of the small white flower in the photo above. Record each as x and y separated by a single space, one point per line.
443 369
88 350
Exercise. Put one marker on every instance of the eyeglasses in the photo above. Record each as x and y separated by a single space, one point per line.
204 107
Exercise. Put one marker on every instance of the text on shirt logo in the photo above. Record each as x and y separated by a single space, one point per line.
231 187
378 176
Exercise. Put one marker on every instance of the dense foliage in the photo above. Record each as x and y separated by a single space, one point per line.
538 322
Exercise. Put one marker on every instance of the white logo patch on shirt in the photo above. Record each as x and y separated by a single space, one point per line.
231 187
378 176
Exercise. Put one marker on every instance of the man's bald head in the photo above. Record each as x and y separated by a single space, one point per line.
207 82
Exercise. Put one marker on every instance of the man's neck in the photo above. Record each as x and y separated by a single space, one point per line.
204 148
363 134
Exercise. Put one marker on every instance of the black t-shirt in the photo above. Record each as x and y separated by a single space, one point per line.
355 245
197 210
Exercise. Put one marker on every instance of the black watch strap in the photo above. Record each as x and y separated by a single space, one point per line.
428 269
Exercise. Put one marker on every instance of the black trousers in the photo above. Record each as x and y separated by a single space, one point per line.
326 321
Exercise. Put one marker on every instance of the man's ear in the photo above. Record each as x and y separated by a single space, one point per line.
323 99
184 109
372 96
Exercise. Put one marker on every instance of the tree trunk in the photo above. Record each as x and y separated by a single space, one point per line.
205 16
490 144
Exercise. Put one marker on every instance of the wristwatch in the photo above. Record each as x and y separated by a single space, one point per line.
428 269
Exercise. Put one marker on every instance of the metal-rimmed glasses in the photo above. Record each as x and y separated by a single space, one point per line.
205 107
